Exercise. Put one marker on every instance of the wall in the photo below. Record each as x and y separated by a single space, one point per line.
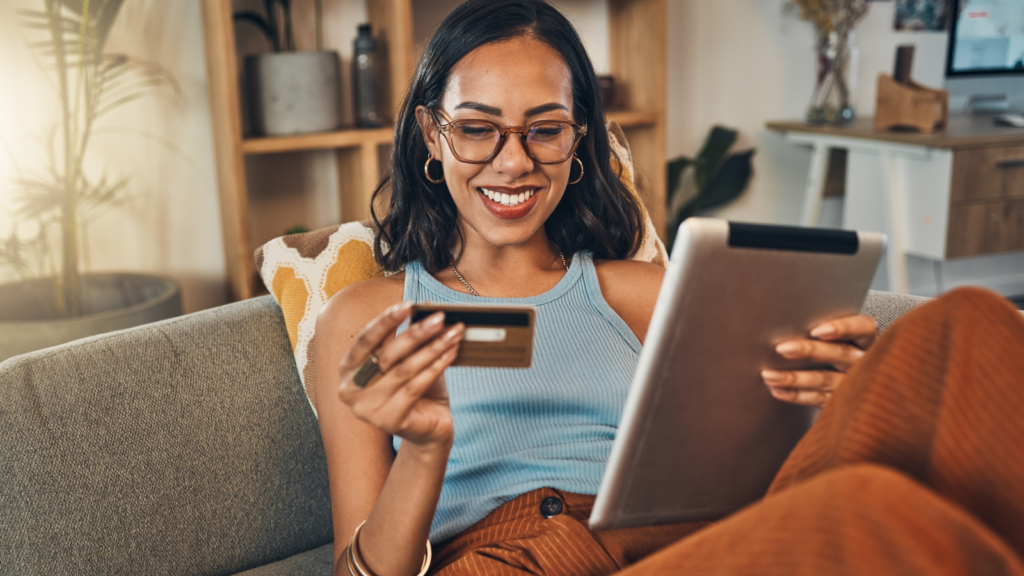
742 63
171 226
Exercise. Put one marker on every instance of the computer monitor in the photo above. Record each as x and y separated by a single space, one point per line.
985 59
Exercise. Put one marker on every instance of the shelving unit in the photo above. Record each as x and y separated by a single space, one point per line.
637 47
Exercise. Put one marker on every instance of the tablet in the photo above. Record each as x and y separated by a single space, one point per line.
701 436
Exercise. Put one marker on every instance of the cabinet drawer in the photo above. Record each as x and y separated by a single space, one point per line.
985 229
988 173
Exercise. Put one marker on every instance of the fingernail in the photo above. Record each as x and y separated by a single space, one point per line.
453 333
434 319
789 348
824 331
772 376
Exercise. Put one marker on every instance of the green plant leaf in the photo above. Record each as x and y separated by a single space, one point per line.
713 153
102 14
675 174
729 182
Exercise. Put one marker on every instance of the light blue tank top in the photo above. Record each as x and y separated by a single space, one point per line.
551 425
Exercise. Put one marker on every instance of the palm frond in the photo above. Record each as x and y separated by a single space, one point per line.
36 197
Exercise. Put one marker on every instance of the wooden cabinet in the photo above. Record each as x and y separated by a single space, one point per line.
986 174
637 30
986 213
986 228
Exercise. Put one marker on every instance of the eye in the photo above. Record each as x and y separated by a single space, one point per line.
475 131
547 131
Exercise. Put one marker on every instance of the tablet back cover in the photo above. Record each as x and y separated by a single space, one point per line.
701 436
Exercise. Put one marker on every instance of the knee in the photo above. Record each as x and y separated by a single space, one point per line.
972 299
857 483
968 304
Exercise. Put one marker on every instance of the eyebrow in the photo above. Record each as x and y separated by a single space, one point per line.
497 111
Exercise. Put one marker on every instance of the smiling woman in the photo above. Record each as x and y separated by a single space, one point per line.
502 192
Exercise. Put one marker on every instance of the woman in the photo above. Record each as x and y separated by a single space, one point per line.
501 193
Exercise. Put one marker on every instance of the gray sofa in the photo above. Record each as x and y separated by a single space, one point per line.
181 447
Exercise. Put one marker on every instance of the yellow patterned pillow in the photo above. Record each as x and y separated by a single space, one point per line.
303 271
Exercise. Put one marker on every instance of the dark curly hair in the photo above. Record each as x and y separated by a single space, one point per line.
598 214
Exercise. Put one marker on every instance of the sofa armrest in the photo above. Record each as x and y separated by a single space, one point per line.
185 446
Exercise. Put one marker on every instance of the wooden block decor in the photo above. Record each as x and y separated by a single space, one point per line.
910 106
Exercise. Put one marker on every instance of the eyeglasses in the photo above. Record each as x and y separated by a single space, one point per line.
479 141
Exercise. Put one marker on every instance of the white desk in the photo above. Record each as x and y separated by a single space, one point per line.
956 193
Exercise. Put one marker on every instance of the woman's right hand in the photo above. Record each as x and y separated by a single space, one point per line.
409 398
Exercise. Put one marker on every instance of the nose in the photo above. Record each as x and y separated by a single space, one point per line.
512 159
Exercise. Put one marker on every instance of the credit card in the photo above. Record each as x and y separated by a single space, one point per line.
496 336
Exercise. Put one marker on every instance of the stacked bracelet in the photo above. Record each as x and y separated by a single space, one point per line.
356 567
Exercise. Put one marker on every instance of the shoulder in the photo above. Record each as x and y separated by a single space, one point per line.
631 289
354 306
630 272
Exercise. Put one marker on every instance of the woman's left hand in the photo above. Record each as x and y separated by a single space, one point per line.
839 343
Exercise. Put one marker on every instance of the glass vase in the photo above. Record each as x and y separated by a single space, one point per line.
831 102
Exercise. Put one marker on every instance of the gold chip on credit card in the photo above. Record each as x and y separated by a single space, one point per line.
495 337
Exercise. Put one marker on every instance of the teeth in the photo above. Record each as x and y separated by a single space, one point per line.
505 199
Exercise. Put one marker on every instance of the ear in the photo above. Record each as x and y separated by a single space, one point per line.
431 137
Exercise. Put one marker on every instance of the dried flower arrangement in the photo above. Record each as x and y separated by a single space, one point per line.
832 15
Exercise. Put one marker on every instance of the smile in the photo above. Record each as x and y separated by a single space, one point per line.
507 199
510 203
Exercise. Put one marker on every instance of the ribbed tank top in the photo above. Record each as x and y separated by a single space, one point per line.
551 425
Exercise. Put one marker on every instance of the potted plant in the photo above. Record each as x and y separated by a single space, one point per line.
56 201
712 178
290 92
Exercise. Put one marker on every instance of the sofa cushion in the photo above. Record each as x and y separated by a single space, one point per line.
316 562
303 271
182 447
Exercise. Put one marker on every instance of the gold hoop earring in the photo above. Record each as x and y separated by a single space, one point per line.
580 162
426 170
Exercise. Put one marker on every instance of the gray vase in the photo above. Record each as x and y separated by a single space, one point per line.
293 92
111 302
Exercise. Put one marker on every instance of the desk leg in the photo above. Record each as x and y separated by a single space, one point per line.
815 184
896 256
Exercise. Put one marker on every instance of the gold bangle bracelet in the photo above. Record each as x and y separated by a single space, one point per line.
354 560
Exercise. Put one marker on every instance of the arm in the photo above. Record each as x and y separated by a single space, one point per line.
396 495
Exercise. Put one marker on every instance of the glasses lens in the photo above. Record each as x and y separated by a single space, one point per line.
474 141
550 142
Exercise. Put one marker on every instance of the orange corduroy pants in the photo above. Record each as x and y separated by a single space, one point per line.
916 466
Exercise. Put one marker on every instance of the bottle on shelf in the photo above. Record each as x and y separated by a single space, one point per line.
365 75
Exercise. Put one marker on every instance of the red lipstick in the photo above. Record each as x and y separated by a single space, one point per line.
509 212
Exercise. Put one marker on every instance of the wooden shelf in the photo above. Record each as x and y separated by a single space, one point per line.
637 35
324 140
630 119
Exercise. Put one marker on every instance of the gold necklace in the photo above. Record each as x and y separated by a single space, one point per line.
474 292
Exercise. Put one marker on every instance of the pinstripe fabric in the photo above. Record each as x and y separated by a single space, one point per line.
517 539
915 467
551 425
